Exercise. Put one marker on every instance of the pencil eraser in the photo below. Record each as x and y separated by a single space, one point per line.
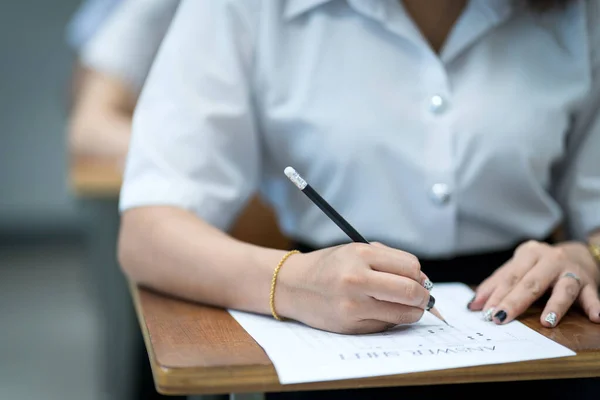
295 178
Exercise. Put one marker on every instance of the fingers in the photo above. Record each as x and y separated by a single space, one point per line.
392 313
505 281
385 259
423 278
588 298
533 285
395 289
482 294
565 292
527 276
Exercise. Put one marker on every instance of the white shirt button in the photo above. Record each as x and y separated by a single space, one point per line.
437 104
440 193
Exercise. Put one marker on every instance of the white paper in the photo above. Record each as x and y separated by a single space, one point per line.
302 354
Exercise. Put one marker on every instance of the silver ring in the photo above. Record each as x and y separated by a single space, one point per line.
572 275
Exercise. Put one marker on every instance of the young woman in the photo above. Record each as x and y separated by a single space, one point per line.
459 135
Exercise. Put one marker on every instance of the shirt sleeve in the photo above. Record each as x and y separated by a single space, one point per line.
86 21
579 190
125 46
194 142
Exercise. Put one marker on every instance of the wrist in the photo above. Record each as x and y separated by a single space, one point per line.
594 249
251 290
288 286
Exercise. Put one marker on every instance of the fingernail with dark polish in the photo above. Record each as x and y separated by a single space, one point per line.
469 303
431 303
500 315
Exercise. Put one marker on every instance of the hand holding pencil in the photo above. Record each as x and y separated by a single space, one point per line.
354 288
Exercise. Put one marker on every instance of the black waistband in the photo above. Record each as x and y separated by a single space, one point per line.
470 269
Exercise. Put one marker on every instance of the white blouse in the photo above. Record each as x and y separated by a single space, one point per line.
494 140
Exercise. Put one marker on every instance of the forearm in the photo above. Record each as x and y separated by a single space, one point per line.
100 123
104 135
170 250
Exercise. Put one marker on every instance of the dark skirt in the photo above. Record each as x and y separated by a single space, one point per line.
471 270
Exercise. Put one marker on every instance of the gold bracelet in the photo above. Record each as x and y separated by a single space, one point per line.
274 281
595 250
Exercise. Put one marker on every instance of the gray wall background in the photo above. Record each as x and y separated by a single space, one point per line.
35 66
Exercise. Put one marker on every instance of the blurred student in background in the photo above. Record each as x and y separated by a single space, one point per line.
115 43
85 23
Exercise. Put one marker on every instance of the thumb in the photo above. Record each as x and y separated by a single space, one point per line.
590 302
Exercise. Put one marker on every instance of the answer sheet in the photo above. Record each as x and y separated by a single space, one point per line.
302 354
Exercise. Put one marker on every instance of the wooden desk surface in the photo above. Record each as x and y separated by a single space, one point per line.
194 349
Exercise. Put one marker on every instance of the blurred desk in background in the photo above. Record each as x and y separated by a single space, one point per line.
93 178
96 184
196 349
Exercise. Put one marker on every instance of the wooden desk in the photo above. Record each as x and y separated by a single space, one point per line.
194 349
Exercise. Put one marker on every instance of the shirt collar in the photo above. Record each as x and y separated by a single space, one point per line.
295 8
479 17
495 10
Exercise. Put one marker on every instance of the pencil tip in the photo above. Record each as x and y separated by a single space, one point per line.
435 312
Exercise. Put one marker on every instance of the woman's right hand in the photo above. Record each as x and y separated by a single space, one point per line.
352 288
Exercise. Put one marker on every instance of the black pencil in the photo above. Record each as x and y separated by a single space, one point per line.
338 219
324 206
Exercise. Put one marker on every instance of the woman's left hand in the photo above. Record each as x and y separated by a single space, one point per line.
567 268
